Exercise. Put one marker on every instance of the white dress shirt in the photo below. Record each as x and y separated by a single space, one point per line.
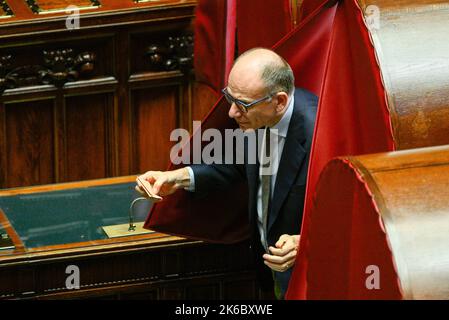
280 129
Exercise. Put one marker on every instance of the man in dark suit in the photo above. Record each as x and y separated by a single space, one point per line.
262 96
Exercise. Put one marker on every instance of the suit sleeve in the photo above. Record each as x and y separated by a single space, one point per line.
216 177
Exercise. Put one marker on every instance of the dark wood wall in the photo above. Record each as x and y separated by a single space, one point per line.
99 101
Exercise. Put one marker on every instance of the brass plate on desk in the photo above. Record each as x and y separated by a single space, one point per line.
51 6
122 230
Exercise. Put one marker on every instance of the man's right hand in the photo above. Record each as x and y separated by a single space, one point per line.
165 182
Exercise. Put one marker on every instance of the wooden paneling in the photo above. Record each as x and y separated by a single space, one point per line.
203 292
238 289
29 141
51 5
155 113
157 37
204 99
111 103
114 120
88 121
151 295
56 10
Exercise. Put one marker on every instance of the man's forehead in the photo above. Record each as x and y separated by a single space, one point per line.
244 93
245 84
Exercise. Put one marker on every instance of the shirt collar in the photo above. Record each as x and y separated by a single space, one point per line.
282 125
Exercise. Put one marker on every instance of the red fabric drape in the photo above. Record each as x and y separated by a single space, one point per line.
262 24
347 239
307 48
352 115
214 47
309 6
220 23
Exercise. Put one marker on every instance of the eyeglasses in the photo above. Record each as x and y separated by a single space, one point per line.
243 106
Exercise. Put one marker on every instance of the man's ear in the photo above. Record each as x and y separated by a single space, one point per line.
282 99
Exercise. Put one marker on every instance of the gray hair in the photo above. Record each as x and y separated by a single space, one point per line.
278 77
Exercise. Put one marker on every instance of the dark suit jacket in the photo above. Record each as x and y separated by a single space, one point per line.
287 203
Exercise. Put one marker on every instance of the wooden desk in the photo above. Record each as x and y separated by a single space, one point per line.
55 226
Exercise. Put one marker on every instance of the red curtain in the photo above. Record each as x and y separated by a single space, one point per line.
352 115
309 6
214 47
220 23
347 240
262 23
307 48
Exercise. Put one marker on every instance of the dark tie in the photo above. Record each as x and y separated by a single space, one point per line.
266 184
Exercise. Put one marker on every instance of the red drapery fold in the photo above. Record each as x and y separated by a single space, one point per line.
262 24
220 23
347 240
307 48
352 117
214 47
309 6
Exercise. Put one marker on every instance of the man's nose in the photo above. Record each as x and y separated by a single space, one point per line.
234 111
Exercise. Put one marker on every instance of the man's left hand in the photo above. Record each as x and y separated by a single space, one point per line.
283 254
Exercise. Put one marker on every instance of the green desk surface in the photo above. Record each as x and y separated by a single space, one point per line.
72 215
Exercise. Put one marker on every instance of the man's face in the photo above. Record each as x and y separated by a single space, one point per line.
248 87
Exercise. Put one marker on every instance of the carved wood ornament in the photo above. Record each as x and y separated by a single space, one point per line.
176 53
38 6
5 8
60 67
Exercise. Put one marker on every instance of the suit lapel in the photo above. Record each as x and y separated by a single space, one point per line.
292 157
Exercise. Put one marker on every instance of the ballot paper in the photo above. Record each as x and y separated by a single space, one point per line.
145 185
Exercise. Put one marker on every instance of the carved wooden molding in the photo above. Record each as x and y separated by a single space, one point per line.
6 9
175 53
60 67
33 6
61 5
5 67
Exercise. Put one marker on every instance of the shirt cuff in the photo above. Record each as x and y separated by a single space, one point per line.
191 187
